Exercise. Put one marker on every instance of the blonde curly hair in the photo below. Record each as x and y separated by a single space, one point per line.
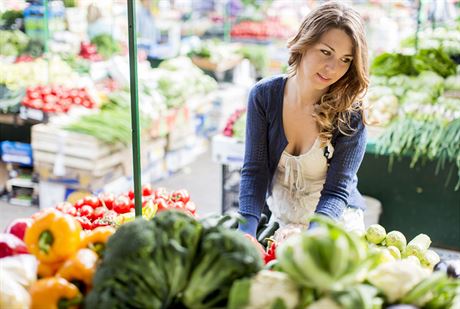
334 109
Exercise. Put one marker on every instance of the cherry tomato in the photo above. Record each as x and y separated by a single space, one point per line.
121 205
92 201
87 211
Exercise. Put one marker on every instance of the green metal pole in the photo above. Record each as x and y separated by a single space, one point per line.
47 31
136 132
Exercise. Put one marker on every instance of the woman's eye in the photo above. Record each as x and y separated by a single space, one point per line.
326 52
346 60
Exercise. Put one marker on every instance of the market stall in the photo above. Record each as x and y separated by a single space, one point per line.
105 236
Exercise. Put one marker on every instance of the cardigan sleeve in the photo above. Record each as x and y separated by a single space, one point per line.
348 155
254 174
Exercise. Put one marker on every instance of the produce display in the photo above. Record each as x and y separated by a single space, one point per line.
13 43
236 125
174 259
57 99
259 30
411 95
53 71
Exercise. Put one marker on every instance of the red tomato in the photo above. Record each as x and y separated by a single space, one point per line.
180 195
121 205
87 211
99 222
190 206
107 199
131 194
161 204
92 201
147 190
99 213
161 193
85 223
78 204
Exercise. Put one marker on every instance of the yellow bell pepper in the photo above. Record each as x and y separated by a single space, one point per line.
79 269
54 293
45 270
53 236
97 239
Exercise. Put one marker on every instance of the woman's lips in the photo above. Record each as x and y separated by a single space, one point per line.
322 78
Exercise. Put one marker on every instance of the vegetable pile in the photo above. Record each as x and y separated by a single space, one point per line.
13 43
107 209
236 125
327 267
259 30
57 99
173 261
414 96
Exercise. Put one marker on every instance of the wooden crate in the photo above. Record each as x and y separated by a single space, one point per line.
53 145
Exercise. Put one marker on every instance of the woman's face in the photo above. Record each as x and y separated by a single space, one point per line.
327 60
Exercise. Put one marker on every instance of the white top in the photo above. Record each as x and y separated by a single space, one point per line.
297 185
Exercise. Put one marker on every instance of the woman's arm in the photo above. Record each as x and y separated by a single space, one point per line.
254 175
348 155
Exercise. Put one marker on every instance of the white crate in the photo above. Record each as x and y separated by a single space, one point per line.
227 150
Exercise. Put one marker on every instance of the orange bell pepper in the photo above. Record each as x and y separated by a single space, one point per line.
45 270
97 239
54 293
79 269
53 236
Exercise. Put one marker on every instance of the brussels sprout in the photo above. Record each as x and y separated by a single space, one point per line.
397 239
430 259
394 252
375 234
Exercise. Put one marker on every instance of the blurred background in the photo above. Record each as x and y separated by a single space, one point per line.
65 123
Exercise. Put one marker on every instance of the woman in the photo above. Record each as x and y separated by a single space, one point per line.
305 133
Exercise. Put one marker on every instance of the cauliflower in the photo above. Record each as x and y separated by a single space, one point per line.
287 231
375 234
282 291
397 278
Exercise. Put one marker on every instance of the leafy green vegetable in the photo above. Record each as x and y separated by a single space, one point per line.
106 45
224 256
326 258
13 42
390 64
434 60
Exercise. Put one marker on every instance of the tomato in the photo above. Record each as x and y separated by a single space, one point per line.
190 206
131 194
147 190
92 201
161 204
78 204
87 211
107 199
180 195
178 205
121 205
161 193
99 222
85 223
98 213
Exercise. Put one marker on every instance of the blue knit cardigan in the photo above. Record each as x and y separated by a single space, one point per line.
265 142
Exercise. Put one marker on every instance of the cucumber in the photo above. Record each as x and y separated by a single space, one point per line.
267 232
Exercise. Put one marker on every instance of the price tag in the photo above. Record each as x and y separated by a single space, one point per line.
35 114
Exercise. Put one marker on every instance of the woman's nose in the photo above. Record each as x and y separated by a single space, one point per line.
331 66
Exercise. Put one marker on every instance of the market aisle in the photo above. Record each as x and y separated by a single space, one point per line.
202 179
